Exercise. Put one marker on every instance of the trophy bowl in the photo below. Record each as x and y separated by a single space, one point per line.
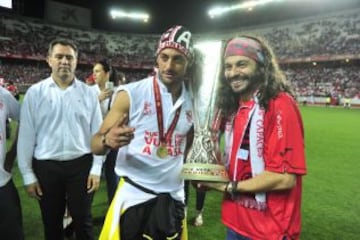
204 162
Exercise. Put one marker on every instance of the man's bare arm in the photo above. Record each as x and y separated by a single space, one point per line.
114 131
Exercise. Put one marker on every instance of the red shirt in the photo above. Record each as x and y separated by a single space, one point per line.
283 152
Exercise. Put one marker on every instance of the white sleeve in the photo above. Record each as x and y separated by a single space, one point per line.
26 139
13 105
96 122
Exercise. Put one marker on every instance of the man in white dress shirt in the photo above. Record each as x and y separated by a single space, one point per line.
10 211
58 117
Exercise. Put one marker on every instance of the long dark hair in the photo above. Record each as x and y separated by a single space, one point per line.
273 81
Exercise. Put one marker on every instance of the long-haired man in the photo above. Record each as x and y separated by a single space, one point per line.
264 145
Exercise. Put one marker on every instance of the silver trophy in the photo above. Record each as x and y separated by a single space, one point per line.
204 161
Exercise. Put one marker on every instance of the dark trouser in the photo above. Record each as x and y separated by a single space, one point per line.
158 219
200 197
11 227
65 182
231 235
112 179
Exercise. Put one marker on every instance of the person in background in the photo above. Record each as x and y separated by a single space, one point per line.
122 78
150 123
347 102
90 80
11 87
11 226
107 81
58 117
199 206
264 145
328 101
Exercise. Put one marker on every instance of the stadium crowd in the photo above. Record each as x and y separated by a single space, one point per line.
314 81
25 73
322 38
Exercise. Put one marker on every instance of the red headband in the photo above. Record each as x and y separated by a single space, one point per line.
243 46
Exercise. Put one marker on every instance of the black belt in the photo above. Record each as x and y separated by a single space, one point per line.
144 189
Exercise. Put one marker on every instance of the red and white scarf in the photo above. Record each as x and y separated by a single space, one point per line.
256 138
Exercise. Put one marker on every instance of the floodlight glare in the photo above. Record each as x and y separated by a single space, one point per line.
248 5
132 15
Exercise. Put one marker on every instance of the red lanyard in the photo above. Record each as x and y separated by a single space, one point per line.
164 138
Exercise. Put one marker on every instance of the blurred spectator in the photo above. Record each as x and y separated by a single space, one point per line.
106 79
13 89
90 80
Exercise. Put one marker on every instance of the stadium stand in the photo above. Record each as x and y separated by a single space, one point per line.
320 55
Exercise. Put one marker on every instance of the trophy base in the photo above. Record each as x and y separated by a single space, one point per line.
204 172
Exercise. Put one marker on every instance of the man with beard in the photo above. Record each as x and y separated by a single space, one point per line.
58 117
264 145
149 123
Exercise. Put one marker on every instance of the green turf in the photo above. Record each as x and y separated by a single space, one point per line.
331 192
330 196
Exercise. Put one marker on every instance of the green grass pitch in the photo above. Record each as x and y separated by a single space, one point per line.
331 192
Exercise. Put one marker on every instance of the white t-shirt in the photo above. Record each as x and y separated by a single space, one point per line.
138 160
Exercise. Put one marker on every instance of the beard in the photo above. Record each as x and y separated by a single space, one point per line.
246 84
171 77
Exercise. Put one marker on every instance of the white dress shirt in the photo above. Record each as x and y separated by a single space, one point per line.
57 124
